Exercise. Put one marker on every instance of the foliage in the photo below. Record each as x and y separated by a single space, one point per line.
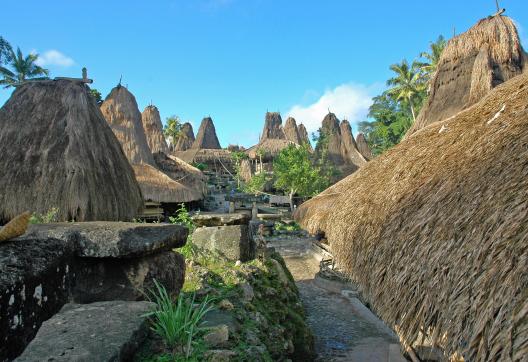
179 323
257 183
295 172
327 169
237 157
22 67
50 216
407 84
183 218
200 166
173 127
280 226
97 95
428 67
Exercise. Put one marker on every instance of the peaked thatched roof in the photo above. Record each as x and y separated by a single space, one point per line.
154 130
434 230
272 127
330 128
471 65
206 137
271 148
59 152
349 148
291 132
186 139
180 171
122 114
363 147
303 135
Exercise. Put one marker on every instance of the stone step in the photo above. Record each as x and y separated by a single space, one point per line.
101 331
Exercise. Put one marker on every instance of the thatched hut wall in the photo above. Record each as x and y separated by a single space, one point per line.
246 170
186 139
122 114
59 152
471 65
434 230
153 128
214 159
272 127
363 147
291 131
206 137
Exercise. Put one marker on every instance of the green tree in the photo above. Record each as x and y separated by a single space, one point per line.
257 183
4 51
432 58
407 84
22 68
97 95
173 127
296 174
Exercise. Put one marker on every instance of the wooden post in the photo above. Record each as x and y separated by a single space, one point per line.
254 211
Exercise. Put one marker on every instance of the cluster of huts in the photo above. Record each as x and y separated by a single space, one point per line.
435 229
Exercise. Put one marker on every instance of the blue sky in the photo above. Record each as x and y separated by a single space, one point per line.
235 59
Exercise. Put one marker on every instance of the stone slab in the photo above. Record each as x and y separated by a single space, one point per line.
101 239
36 276
102 331
231 241
217 219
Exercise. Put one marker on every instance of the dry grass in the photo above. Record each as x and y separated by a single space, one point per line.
154 130
58 151
206 137
291 131
303 134
435 230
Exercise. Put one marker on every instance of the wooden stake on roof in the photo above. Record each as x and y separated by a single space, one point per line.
499 10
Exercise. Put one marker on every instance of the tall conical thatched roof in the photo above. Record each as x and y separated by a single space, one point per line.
291 132
363 147
330 128
349 148
186 139
472 64
59 152
154 130
122 114
303 135
206 137
272 127
435 229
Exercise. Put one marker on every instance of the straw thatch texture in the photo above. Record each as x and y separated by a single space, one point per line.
217 159
15 228
271 148
58 151
246 170
349 148
363 147
471 65
158 187
330 129
303 135
272 127
153 129
206 137
291 132
186 139
435 230
181 172
122 114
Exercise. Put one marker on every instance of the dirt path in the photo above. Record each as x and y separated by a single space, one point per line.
343 332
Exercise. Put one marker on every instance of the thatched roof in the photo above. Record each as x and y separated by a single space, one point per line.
330 128
303 135
363 147
435 231
122 114
181 171
59 152
154 130
186 139
206 137
349 148
157 186
246 171
271 148
272 127
471 65
207 156
291 132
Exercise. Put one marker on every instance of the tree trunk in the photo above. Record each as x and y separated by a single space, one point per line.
412 110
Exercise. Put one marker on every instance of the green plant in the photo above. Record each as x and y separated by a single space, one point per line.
52 215
22 67
280 226
183 218
200 166
177 323
256 184
173 127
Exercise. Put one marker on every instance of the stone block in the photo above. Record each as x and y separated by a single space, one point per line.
231 241
215 219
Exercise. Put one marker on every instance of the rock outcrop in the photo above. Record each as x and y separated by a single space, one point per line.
272 127
206 137
291 131
186 139
154 130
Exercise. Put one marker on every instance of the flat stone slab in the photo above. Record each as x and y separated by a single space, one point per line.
101 331
101 239
217 219
231 241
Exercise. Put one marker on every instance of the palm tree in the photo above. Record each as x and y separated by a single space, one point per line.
407 83
23 68
433 58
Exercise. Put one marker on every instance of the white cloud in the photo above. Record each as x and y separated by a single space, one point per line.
350 101
54 57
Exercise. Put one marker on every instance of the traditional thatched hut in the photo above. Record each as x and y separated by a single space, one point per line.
268 149
349 148
303 135
272 127
182 172
218 160
471 65
291 131
186 139
434 230
330 129
206 137
153 129
58 152
363 147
